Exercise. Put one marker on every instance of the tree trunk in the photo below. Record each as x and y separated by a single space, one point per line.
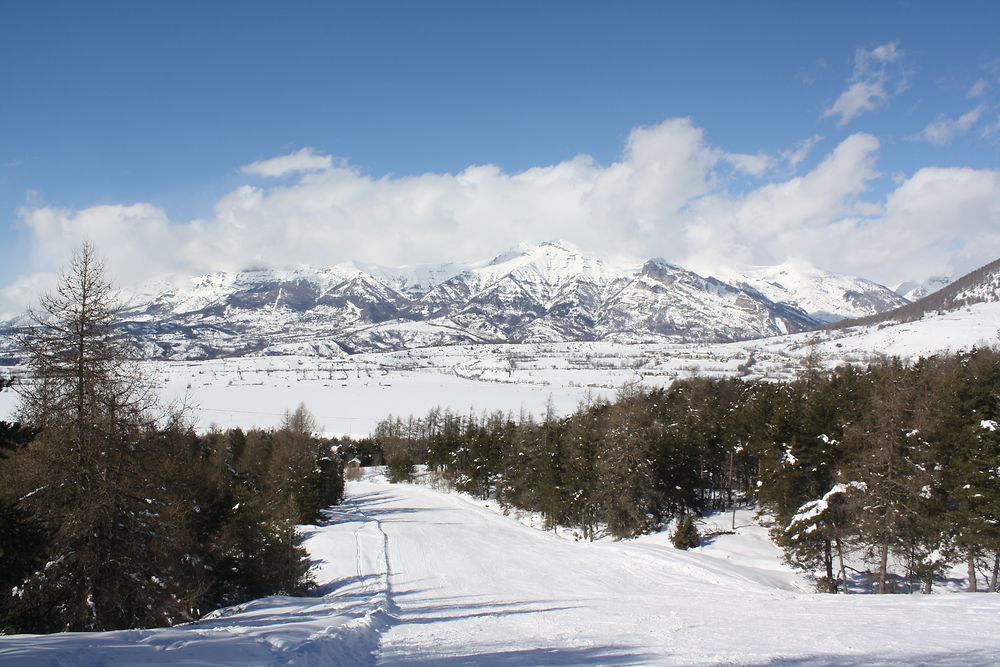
883 567
996 571
973 584
843 568
828 563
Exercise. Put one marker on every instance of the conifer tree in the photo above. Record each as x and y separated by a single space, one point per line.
685 535
894 462
90 473
629 499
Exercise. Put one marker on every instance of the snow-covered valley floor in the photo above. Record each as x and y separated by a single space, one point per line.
413 576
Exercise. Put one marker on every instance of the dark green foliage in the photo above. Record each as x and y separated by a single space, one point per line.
113 517
685 535
893 460
400 468
365 450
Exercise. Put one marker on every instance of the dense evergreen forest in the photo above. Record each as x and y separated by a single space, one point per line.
114 513
892 463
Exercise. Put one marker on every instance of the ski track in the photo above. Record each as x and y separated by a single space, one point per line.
412 576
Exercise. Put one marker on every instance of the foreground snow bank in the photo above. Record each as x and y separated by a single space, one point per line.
341 626
411 575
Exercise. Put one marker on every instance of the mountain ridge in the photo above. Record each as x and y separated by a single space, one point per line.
546 292
981 285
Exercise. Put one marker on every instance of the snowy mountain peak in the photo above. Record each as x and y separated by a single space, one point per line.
534 251
544 292
914 291
824 295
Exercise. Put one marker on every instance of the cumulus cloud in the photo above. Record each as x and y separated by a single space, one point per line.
940 221
878 76
304 159
941 130
785 219
671 193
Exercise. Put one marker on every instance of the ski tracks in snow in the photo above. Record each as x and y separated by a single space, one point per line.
372 558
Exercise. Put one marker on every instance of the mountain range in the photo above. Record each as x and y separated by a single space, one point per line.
549 292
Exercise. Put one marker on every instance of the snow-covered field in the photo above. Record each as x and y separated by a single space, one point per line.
350 394
414 576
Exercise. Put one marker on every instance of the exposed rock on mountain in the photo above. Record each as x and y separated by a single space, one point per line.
535 293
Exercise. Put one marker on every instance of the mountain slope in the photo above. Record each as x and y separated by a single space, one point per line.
979 286
913 291
549 292
823 295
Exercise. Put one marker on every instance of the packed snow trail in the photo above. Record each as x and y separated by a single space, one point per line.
412 576
476 588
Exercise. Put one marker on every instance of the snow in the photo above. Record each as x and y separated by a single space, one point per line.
349 394
815 508
823 295
414 576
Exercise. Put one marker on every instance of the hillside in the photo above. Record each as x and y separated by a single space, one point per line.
979 286
824 296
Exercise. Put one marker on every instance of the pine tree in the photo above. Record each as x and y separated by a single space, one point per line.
90 475
22 537
628 492
685 535
894 462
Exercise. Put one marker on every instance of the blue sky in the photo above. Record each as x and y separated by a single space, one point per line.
715 131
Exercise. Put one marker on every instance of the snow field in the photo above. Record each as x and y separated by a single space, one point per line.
409 575
351 394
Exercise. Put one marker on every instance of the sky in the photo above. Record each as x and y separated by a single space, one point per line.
187 137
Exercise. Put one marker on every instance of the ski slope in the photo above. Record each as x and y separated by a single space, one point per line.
414 576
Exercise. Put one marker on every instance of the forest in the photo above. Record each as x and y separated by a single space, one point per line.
890 464
114 512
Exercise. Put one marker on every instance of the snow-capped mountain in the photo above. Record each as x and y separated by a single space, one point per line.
823 295
914 291
975 287
549 292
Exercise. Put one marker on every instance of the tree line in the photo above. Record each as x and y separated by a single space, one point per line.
895 465
115 513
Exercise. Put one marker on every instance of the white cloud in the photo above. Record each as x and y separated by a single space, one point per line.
15 297
670 194
941 130
754 165
878 76
304 159
940 221
790 218
799 150
977 89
